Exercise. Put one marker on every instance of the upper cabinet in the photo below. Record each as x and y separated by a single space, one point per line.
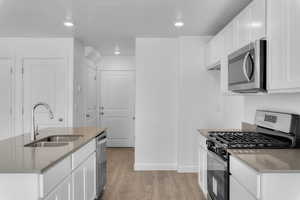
283 29
250 24
214 51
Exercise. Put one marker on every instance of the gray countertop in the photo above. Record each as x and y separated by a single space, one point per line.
15 158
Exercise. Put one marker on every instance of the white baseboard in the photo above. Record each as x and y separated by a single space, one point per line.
187 169
155 166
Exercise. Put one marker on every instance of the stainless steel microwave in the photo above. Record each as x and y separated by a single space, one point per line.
247 68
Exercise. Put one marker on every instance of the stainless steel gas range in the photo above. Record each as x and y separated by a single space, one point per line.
274 130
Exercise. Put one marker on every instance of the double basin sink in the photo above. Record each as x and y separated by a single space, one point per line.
54 141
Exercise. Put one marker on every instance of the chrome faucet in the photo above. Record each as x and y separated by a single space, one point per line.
35 130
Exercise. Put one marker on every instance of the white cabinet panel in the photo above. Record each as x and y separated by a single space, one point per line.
62 192
84 182
202 174
90 177
238 192
78 183
258 19
283 35
44 80
53 176
243 27
245 175
6 100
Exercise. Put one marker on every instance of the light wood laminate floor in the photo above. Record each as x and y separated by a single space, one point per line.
126 184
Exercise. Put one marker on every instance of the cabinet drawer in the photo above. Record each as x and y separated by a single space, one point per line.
238 192
54 176
83 153
246 176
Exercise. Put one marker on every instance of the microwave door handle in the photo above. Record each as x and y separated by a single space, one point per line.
244 66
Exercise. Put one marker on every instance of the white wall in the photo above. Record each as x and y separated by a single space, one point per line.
199 94
275 102
156 103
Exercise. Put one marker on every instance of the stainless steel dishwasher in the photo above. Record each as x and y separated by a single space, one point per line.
101 164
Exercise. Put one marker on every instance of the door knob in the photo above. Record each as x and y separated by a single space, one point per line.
102 113
87 115
60 119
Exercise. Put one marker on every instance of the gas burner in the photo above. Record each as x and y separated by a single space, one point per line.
246 140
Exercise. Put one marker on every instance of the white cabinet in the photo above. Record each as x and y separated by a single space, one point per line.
63 192
214 50
78 183
251 23
243 21
283 29
238 192
202 173
6 100
84 182
258 19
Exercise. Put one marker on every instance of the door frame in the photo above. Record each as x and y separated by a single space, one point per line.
99 96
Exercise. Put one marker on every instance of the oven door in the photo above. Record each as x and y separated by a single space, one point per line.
246 68
217 177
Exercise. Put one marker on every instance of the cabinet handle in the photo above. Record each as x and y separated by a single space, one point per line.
102 113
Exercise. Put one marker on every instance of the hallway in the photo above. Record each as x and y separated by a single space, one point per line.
125 184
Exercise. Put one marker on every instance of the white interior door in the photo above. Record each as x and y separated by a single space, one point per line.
6 98
44 80
117 107
91 97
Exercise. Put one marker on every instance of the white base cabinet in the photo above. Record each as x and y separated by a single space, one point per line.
248 184
202 173
63 192
84 182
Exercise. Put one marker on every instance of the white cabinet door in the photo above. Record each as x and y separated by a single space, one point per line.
117 102
62 192
243 21
78 183
91 97
44 81
52 196
283 35
238 192
84 182
6 88
258 19
90 177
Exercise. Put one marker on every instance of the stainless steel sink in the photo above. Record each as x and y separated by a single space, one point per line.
61 138
54 141
46 144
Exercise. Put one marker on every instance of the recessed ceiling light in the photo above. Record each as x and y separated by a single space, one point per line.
179 24
117 51
68 23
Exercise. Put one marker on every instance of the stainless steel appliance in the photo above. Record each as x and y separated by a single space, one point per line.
274 130
101 164
247 68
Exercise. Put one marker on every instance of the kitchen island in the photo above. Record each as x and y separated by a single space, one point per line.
58 173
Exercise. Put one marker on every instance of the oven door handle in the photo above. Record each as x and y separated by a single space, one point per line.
244 66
